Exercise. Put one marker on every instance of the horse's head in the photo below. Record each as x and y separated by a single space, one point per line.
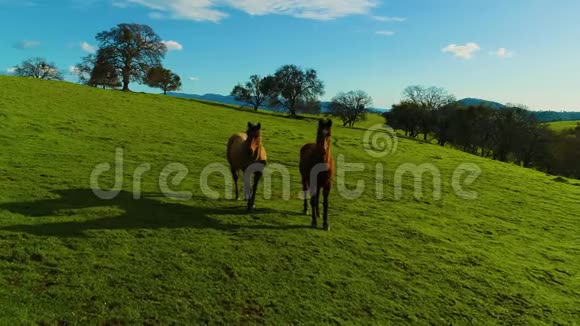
254 139
324 129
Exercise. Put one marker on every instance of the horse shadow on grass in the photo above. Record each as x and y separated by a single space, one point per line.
126 213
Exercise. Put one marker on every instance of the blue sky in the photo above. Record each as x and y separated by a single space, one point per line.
520 51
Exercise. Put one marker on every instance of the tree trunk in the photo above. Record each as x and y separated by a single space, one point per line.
164 92
126 80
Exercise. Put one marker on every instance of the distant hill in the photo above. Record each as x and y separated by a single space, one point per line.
549 116
478 102
226 99
543 116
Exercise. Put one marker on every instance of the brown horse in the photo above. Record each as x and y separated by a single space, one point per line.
317 169
247 154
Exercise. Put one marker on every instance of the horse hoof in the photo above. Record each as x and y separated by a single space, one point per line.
326 227
314 226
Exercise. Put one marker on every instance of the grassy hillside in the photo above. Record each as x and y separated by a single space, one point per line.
512 256
563 125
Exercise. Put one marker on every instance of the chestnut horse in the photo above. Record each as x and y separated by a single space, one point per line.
317 169
247 154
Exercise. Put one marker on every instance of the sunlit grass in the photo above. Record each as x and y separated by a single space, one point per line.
511 256
563 125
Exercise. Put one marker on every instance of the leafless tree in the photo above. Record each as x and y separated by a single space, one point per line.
431 98
255 92
351 107
38 68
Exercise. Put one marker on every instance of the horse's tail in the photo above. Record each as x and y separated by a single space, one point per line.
231 142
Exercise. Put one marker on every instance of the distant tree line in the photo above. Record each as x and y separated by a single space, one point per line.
511 134
296 90
290 88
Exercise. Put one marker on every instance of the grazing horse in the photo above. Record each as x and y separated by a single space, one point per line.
247 154
317 169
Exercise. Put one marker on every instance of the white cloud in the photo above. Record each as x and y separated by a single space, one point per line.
193 78
385 33
156 15
206 10
173 45
196 10
389 19
27 44
88 48
463 51
74 70
11 70
503 53
119 4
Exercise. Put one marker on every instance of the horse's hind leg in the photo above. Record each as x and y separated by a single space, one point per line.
325 194
235 176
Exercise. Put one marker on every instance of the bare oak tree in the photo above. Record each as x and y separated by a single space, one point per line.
132 49
351 107
431 98
255 92
427 100
38 68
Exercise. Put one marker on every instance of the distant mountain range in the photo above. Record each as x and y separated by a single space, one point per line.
544 116
224 99
230 100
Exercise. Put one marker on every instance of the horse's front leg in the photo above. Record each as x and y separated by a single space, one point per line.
325 195
314 203
252 201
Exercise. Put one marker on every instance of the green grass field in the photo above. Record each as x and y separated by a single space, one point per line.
510 257
563 125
